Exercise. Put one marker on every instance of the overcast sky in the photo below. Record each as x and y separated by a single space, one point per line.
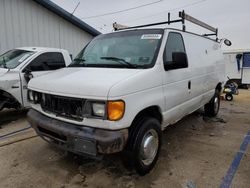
230 16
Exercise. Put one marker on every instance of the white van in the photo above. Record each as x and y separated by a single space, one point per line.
123 89
19 65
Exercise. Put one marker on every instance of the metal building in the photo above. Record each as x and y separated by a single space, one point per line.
41 23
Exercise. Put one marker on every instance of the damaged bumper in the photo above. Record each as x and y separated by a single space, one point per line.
78 139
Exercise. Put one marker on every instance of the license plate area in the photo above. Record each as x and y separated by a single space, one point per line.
85 146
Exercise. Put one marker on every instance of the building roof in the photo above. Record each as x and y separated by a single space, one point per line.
67 16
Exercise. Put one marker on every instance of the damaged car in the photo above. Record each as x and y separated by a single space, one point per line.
19 65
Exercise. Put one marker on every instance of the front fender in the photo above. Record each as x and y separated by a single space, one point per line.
10 83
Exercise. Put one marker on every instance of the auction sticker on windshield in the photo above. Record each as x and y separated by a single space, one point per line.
151 36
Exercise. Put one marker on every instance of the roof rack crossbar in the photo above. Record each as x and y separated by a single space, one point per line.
147 25
209 34
183 16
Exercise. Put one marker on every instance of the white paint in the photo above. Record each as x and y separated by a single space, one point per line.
15 77
142 88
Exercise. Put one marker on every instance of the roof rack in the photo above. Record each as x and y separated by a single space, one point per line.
183 17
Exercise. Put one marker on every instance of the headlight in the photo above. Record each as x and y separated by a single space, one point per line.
94 109
30 96
116 110
110 110
34 96
98 109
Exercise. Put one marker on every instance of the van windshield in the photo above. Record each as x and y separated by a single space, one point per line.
126 49
13 58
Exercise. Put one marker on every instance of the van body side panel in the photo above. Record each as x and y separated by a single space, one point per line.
207 66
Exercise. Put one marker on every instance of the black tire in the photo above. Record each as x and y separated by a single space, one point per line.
212 108
229 97
133 153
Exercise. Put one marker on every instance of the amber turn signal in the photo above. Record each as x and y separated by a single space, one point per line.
116 110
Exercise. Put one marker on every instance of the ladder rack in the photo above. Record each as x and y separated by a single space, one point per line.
183 17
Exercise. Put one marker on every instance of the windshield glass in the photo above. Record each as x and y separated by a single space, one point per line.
127 49
13 58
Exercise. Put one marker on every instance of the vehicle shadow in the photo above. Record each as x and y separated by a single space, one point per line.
7 116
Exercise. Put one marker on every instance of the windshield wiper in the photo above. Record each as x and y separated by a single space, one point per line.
120 60
73 64
79 59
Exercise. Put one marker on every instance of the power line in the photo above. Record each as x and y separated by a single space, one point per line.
100 20
170 10
75 8
124 10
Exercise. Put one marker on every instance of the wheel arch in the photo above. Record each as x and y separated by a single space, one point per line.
150 111
219 87
8 100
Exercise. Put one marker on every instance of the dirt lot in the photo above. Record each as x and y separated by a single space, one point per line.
196 152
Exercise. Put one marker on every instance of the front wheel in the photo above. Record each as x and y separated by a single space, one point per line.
212 108
229 97
144 145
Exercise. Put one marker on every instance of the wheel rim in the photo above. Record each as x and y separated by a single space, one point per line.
149 147
229 97
216 104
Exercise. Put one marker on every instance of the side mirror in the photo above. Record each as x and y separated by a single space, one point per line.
179 61
227 42
27 75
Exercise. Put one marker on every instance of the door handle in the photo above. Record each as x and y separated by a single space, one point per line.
189 84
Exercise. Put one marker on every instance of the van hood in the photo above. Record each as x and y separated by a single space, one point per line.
3 71
81 82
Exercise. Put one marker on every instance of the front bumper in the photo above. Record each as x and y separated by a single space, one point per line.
78 139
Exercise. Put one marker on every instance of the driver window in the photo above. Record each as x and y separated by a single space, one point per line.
174 44
46 62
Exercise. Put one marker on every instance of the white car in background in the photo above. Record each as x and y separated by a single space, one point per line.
19 65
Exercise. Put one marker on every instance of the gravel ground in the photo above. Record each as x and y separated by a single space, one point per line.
196 152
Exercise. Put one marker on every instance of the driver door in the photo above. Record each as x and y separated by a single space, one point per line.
42 64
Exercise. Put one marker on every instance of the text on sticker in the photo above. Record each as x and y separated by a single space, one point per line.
151 36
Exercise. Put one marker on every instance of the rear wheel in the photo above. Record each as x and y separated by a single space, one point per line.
212 108
229 97
144 145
